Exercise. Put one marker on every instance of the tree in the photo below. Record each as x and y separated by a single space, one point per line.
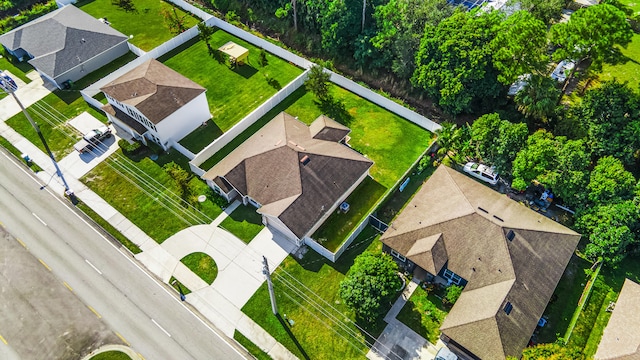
552 352
448 139
535 159
545 10
204 33
611 115
539 98
592 33
453 63
570 176
498 141
318 83
175 22
371 282
611 229
610 182
519 47
181 178
453 294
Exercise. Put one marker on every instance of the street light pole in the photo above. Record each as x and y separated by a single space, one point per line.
9 86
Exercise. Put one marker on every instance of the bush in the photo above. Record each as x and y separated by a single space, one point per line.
11 22
129 148
453 294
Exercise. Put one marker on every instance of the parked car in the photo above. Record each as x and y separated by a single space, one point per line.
562 71
92 138
445 354
482 172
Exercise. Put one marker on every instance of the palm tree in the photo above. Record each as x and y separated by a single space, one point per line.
539 98
204 33
448 139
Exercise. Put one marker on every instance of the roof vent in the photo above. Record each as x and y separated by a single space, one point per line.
483 210
511 235
305 160
498 218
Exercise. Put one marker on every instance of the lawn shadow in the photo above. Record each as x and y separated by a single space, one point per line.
285 325
68 96
336 110
246 71
616 57
272 82
246 213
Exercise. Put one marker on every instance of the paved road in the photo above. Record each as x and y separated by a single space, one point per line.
144 312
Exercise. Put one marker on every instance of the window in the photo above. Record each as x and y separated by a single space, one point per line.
398 255
511 235
450 275
508 307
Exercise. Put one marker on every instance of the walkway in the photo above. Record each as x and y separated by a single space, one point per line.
28 94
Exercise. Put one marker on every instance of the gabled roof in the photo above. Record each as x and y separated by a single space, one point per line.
153 88
62 39
294 176
474 223
621 337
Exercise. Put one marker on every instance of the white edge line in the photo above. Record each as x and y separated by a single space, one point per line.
161 328
93 266
38 217
171 295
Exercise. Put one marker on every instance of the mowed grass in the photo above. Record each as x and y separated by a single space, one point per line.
313 334
244 222
629 67
392 142
104 71
231 93
51 114
202 265
146 23
149 198
250 346
634 5
16 68
424 313
111 355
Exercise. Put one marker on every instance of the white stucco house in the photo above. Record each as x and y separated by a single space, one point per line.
295 175
65 45
155 103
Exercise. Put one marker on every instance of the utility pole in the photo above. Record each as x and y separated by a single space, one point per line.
272 295
8 85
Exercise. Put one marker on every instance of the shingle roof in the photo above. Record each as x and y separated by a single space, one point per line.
292 175
473 222
62 39
621 337
153 88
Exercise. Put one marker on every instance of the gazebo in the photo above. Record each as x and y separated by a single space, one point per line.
237 54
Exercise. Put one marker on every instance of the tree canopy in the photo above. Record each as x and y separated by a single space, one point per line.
552 352
371 282
610 182
498 141
318 82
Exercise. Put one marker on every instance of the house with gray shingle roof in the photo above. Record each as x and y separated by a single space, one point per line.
296 175
621 337
66 44
154 102
508 257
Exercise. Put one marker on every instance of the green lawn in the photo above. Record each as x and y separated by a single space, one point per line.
244 222
145 200
104 71
202 265
336 228
396 202
231 93
18 154
250 346
146 23
424 313
179 286
111 355
201 137
313 334
629 68
18 69
633 5
51 114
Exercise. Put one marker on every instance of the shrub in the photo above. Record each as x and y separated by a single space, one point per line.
129 148
11 22
453 293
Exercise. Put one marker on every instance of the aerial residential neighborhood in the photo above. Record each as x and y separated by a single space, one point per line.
394 179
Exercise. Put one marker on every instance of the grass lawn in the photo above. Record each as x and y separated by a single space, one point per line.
179 286
333 232
111 355
424 313
564 300
244 222
202 265
231 93
633 5
313 334
104 71
250 346
16 68
146 195
201 137
146 22
396 202
18 154
51 114
629 68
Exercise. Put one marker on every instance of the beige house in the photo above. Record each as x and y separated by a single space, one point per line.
508 257
621 338
296 175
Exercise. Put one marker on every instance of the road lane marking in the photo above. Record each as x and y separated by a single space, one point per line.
37 217
22 243
94 311
44 264
94 268
123 339
161 328
67 285
3 340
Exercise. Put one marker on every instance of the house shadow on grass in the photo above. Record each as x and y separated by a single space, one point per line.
285 325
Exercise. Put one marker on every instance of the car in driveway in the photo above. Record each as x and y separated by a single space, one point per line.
482 172
92 139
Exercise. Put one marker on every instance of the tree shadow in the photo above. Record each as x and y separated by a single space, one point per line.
272 82
285 325
245 70
336 110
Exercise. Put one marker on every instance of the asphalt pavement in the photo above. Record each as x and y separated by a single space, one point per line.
141 311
